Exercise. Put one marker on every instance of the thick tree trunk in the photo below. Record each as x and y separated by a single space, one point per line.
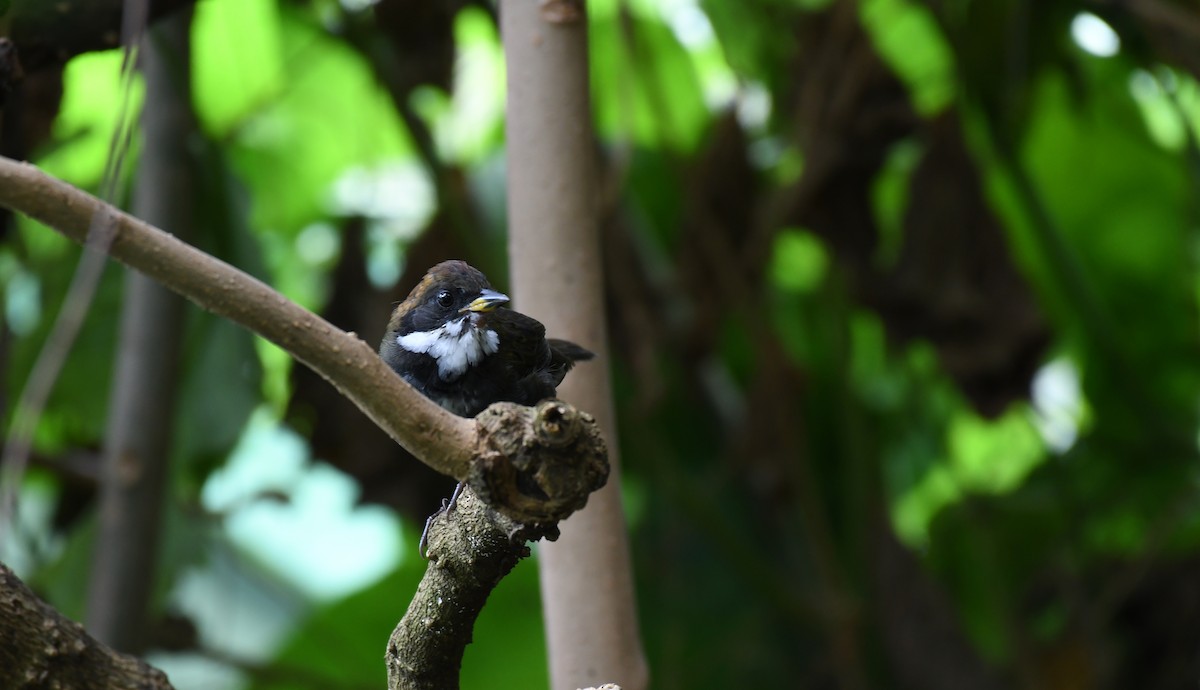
554 251
138 437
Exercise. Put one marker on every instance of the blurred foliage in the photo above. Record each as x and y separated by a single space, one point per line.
903 303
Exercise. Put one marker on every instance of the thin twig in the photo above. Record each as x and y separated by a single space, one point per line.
46 369
82 290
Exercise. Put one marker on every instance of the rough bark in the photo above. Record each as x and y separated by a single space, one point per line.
137 438
554 251
470 550
471 546
40 649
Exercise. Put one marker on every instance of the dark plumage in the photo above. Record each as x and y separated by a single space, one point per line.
454 341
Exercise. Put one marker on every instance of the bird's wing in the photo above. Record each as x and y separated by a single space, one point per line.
537 363
523 342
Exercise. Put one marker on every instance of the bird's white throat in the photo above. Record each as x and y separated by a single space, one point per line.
455 345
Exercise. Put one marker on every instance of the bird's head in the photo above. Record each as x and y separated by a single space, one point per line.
444 318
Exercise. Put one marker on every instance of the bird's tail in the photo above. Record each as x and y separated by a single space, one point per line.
571 351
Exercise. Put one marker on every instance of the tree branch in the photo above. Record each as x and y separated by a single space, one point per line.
437 437
470 550
530 488
472 547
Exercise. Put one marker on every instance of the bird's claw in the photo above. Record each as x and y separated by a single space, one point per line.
447 506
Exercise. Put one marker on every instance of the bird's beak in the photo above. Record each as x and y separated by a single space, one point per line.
486 301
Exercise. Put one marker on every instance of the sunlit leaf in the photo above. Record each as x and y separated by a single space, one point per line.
907 36
644 83
238 64
331 114
994 455
799 261
88 117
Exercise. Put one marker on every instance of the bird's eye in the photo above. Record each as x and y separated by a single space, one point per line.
444 299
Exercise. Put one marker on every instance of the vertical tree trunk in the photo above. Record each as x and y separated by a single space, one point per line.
138 435
554 252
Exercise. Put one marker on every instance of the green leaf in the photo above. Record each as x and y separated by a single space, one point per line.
1119 205
239 62
799 261
756 38
907 36
644 83
994 455
345 641
330 116
221 388
88 117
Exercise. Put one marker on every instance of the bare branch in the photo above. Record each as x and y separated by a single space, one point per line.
437 437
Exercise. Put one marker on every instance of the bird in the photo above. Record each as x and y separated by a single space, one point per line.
456 341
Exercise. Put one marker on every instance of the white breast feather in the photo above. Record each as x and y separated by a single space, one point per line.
455 346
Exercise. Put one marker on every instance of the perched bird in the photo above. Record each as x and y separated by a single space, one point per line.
455 341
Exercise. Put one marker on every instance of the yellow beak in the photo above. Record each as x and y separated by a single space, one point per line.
486 301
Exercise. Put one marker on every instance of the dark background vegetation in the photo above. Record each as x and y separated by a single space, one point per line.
902 295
